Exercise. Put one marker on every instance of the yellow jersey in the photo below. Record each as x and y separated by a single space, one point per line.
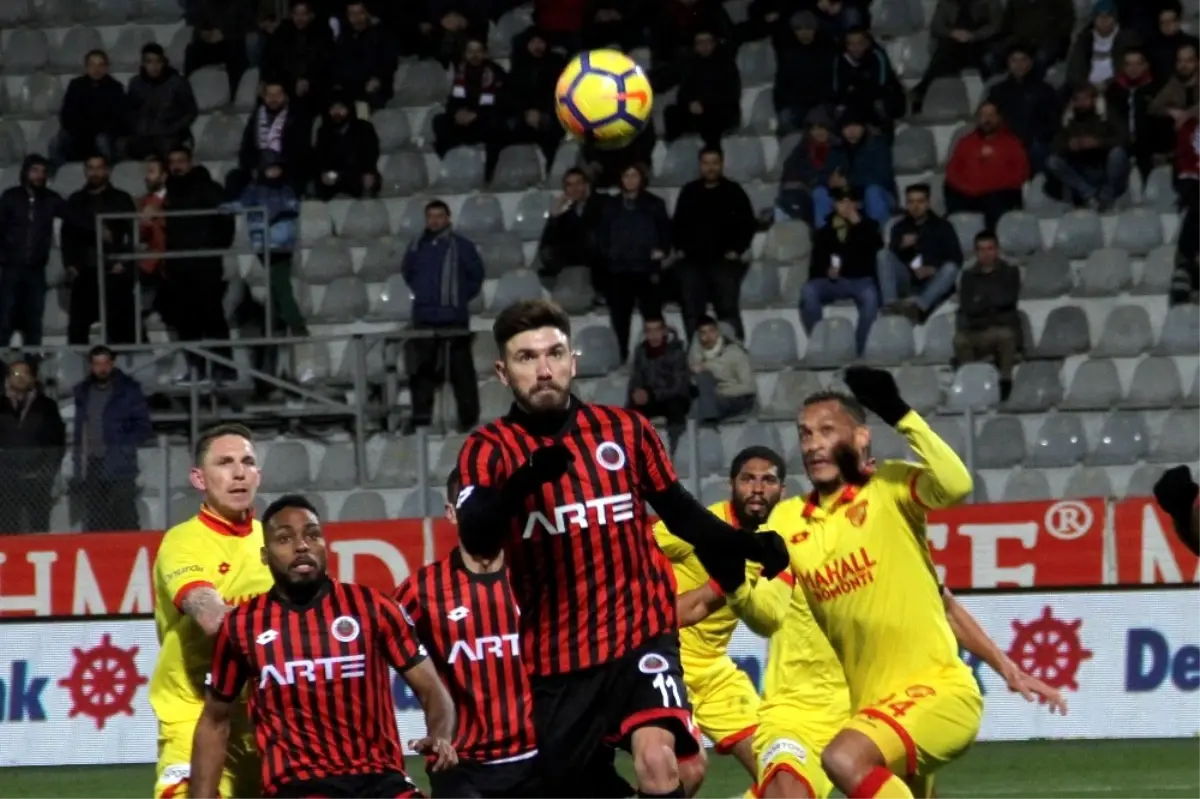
204 551
862 560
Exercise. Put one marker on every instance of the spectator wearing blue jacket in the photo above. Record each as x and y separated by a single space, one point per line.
444 272
919 268
112 420
862 162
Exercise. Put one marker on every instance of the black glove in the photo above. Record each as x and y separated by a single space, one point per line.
769 549
1176 493
728 569
877 391
545 465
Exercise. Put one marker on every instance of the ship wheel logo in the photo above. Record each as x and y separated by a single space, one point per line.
1050 649
103 682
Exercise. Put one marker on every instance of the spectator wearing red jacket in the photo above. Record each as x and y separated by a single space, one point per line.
987 169
1187 161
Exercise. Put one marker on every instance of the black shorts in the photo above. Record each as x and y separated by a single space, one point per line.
582 716
390 784
471 779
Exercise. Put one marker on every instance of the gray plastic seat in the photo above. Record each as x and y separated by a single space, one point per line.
108 12
919 387
480 215
529 219
1037 386
518 168
391 125
1106 273
572 290
1179 441
398 463
939 340
501 253
345 301
1040 204
26 51
761 121
788 244
426 83
1141 482
522 284
461 170
611 390
966 225
411 507
507 27
483 355
410 222
363 506
949 430
756 63
711 455
914 150
791 387
1066 333
447 457
76 43
395 301
1088 483
286 467
976 386
1078 234
403 174
1000 443
754 434
1060 441
329 260
946 101
1192 400
1019 233
1126 333
1158 269
366 220
1155 384
1159 192
773 345
714 491
39 96
760 287
220 138
1180 331
211 87
245 98
1047 276
1123 439
494 400
744 158
890 341
1138 231
567 156
14 14
1095 386
12 142
380 260
598 353
311 363
892 20
337 469
679 165
886 445
1026 485
315 223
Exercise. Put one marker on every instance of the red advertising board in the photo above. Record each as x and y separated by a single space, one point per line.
1148 551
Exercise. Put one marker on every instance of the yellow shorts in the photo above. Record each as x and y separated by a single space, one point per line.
792 740
242 776
724 705
926 722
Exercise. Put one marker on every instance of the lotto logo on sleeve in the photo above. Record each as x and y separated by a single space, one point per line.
780 747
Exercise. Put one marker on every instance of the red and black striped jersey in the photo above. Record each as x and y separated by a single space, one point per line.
585 569
469 624
320 675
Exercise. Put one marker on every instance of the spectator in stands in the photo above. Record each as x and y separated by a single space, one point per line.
843 266
862 161
1163 47
988 326
722 374
809 166
152 226
1185 282
605 166
987 169
710 94
346 159
272 127
660 383
162 106
1089 158
220 35
1029 107
1041 28
562 22
298 56
570 235
634 237
33 441
673 35
963 32
772 19
837 17
1187 164
87 264
1099 49
1128 99
444 272
531 89
27 214
1178 97
612 22
92 116
446 26
865 83
474 112
364 58
804 75
112 420
193 288
714 225
918 269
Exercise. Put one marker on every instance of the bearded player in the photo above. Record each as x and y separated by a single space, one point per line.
204 567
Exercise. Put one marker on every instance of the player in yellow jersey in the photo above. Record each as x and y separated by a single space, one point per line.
204 566
724 700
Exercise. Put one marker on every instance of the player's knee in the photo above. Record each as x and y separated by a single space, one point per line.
847 760
783 784
654 760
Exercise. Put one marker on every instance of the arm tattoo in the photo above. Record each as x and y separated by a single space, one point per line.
206 607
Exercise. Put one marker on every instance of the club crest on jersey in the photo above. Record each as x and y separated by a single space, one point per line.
345 628
653 663
610 456
857 513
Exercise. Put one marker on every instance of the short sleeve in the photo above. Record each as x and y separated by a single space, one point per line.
480 463
183 563
398 634
658 474
229 669
675 548
409 599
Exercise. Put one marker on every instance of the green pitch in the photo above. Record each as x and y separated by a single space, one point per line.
1090 769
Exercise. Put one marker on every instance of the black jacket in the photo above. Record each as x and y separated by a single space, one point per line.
714 82
1128 103
1031 108
937 242
196 191
358 57
93 107
162 106
989 299
532 81
79 229
804 77
664 374
713 220
295 143
631 229
291 54
854 245
860 84
351 148
569 238
32 439
27 222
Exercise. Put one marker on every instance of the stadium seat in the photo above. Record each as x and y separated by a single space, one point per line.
220 138
395 301
911 54
337 469
1192 400
1141 482
920 388
679 165
890 341
1106 273
12 143
790 386
1026 485
1066 333
518 168
1126 333
494 399
211 87
946 101
572 289
460 171
1000 444
27 50
788 244
1138 231
76 43
1123 439
480 215
363 506
949 429
380 260
1088 483
598 354
760 287
761 121
744 158
520 284
426 83
1157 270
756 63
1019 234
245 98
831 344
1159 193
1095 386
326 262
714 491
310 362
420 506
1060 441
40 96
754 434
611 390
892 20
1037 386
772 345
286 467
914 151
391 125
976 387
403 174
366 221
966 225
711 454
345 301
399 462
1180 331
886 444
567 157
16 13
1078 234
1040 204
533 209
1179 441
939 340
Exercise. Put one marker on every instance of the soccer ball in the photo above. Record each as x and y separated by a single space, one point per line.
603 97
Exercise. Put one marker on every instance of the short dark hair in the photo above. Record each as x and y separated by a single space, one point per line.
90 53
306 3
985 235
429 206
757 452
653 317
285 502
101 349
708 149
181 148
577 171
1023 49
204 442
155 159
849 404
704 321
918 188
95 156
857 29
525 315
1133 51
453 485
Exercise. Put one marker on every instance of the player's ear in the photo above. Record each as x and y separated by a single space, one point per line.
862 438
196 478
501 372
451 514
574 361
262 554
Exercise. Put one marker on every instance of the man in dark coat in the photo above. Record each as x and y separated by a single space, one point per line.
298 55
27 214
93 113
161 104
709 99
364 58
346 160
274 126
32 445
